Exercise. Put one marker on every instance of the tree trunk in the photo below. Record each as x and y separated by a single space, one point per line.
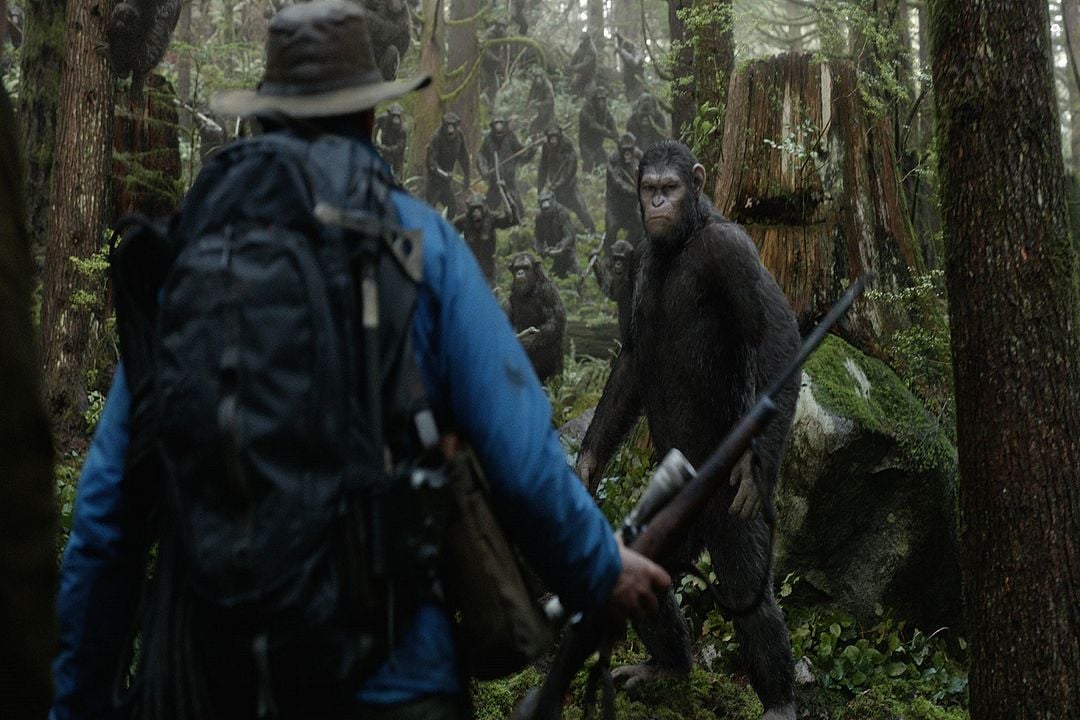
812 177
713 39
682 71
464 53
183 68
595 21
146 170
1070 10
427 110
1011 277
39 94
70 324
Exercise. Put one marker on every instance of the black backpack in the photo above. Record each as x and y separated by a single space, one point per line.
266 341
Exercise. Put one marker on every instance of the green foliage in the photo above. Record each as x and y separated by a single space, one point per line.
843 655
66 475
921 354
577 388
859 29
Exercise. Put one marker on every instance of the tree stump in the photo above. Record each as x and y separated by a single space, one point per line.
813 178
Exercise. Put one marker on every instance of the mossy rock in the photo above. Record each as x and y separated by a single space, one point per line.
867 500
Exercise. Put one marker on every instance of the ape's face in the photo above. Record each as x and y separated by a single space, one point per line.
627 156
476 213
553 139
450 128
499 128
395 120
668 195
524 275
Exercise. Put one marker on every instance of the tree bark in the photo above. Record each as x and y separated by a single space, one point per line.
812 176
713 35
1012 285
427 110
1070 10
464 52
146 170
79 212
39 95
682 71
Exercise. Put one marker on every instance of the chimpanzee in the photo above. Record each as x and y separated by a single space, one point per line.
500 154
595 123
537 314
477 225
137 37
555 235
621 210
542 100
647 122
710 329
445 150
558 168
495 62
390 138
633 66
391 32
583 66
617 281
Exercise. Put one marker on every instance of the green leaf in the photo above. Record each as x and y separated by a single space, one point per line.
895 669
835 629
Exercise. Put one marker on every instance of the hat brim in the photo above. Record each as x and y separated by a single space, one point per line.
334 102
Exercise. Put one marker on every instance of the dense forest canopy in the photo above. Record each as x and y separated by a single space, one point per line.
926 553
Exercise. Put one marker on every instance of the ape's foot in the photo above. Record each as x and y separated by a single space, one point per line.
630 676
780 712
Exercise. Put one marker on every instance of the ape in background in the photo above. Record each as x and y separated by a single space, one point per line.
616 280
390 138
500 154
647 122
537 314
445 150
582 69
555 236
542 99
710 330
633 66
595 124
495 63
477 225
558 169
391 32
621 210
137 37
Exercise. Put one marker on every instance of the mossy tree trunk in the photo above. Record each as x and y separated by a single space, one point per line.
70 308
812 177
146 170
703 31
463 58
427 107
39 94
1011 277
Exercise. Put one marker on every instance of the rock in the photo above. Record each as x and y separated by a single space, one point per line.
573 432
867 499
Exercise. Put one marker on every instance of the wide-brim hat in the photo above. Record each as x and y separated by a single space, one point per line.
319 63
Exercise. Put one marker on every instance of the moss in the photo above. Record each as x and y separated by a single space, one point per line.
885 406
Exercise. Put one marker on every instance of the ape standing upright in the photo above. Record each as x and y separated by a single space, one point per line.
536 311
710 329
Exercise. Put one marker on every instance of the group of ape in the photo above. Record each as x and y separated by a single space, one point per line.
704 326
704 329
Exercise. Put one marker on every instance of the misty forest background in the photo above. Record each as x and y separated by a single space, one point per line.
928 553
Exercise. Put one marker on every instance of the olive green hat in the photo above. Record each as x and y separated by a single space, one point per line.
319 63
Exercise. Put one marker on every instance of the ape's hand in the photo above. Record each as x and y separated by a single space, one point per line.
750 477
586 468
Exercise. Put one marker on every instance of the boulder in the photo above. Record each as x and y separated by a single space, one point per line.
867 503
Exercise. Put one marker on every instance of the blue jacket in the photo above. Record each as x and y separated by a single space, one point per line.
478 378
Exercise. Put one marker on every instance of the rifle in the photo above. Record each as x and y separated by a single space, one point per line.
674 499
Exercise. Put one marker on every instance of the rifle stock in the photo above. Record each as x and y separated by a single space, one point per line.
669 525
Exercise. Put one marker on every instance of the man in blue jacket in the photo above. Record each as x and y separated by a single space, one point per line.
478 381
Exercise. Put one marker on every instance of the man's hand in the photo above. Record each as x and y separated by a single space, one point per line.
636 589
750 477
